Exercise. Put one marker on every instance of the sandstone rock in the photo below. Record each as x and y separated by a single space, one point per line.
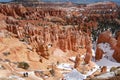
11 20
77 61
115 44
112 42
89 49
20 10
116 54
99 53
118 42
64 39
104 69
7 10
44 34
12 10
33 56
104 37
117 34
88 58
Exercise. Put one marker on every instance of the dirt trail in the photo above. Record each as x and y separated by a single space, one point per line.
31 75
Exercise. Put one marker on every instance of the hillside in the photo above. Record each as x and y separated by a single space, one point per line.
52 42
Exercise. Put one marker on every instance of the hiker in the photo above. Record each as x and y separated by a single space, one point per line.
26 74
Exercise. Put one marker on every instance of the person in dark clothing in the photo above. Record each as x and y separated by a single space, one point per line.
26 74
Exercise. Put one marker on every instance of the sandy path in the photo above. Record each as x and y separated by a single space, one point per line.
31 75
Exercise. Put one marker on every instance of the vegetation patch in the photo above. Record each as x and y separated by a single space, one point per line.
23 65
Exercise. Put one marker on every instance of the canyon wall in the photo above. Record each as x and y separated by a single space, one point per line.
43 28
106 37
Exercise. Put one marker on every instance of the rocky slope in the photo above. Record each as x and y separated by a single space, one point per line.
46 35
106 37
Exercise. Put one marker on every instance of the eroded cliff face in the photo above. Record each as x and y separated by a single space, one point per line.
37 28
106 37
65 29
31 13
44 37
99 53
12 10
47 35
116 54
85 16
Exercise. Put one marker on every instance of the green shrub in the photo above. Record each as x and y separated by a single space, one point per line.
6 53
113 69
52 72
23 65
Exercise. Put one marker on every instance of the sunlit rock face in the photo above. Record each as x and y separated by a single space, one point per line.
41 38
112 42
46 37
12 10
88 55
106 37
36 26
116 54
99 4
78 61
99 53
88 58
31 13
104 69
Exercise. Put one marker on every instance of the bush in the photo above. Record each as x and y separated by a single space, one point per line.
113 69
52 72
6 53
23 65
